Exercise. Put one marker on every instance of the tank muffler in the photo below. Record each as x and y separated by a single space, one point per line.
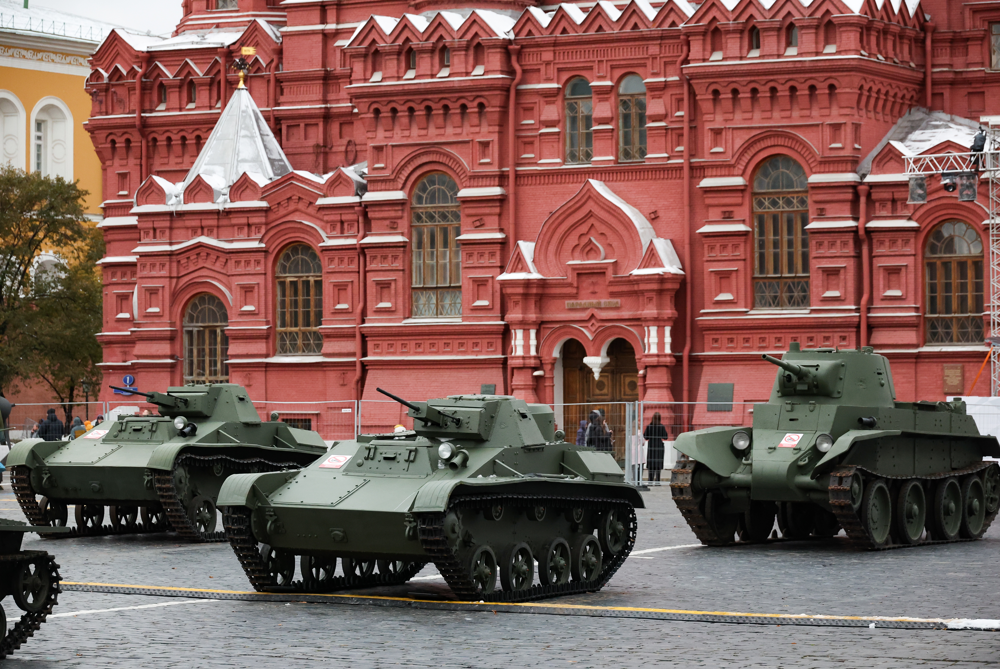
460 460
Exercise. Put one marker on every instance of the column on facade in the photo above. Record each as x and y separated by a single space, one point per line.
894 315
484 252
603 129
550 142
657 119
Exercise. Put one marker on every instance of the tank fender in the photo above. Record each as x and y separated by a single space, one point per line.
711 447
164 456
32 452
848 439
435 496
249 490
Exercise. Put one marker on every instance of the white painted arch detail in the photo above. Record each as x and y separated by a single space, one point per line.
54 143
13 121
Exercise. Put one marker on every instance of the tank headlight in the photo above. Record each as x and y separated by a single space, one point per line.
445 451
180 422
741 441
824 443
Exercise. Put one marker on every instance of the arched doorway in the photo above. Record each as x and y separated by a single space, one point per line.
618 382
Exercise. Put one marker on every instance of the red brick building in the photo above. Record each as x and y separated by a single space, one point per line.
695 185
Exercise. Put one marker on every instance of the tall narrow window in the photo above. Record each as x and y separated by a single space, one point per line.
192 94
226 4
792 41
40 146
579 122
437 259
953 268
781 213
995 46
754 40
631 119
206 346
300 301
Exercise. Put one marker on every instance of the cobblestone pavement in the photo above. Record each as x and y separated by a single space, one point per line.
952 581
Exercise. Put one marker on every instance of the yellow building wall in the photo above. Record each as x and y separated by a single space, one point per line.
30 86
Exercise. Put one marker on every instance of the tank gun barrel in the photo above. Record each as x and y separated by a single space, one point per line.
787 366
430 415
159 399
408 405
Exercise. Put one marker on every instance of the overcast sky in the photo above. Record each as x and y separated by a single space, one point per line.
157 16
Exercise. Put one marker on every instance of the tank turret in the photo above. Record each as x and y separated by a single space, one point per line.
483 486
832 450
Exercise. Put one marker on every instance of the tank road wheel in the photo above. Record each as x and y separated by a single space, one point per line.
876 512
494 512
391 567
279 564
991 488
358 568
795 520
517 569
201 511
317 572
857 490
89 516
723 525
483 570
611 532
758 521
32 585
946 514
56 513
124 518
154 519
973 507
587 558
555 566
3 625
911 511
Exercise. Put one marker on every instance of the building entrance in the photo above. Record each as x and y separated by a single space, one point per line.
617 383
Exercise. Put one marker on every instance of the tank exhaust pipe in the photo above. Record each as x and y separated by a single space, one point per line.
460 460
868 422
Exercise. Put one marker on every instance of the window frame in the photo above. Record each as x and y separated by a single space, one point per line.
226 5
975 296
580 108
993 33
447 296
637 120
290 311
195 350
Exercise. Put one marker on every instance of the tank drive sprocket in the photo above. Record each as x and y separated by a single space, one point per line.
39 593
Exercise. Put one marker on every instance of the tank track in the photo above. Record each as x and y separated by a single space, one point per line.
681 477
850 520
236 521
430 530
29 623
177 515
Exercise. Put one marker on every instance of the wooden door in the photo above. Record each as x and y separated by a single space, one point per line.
582 393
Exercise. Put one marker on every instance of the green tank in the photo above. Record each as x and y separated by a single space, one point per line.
482 487
832 449
31 577
156 472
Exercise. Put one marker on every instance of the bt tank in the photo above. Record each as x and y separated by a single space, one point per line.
832 449
156 472
31 577
483 486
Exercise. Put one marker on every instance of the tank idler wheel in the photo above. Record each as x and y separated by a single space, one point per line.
154 519
56 513
555 565
946 514
876 512
483 569
758 521
991 488
795 520
279 564
32 585
317 571
825 524
973 507
723 525
611 532
517 569
89 516
494 512
124 517
356 567
587 558
857 490
911 511
202 513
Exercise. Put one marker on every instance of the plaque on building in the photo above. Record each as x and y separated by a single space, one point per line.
593 304
487 389
954 379
720 397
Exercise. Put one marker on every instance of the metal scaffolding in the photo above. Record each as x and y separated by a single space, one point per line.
982 164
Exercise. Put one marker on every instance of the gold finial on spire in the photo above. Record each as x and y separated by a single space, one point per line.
241 65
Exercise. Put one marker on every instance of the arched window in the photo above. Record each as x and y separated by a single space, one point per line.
792 41
52 139
12 124
300 301
437 260
206 346
953 266
631 119
192 94
579 122
781 213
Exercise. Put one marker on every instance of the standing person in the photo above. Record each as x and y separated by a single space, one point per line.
597 437
655 434
581 434
51 428
78 429
98 420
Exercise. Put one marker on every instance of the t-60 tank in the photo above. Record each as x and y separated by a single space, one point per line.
482 487
156 472
32 577
832 449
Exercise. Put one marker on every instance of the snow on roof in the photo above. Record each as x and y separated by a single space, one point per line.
15 16
137 41
240 142
528 253
501 23
668 256
642 225
918 131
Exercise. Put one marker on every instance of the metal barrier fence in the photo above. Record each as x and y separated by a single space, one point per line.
24 418
333 421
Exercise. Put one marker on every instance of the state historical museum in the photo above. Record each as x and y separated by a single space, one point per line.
583 202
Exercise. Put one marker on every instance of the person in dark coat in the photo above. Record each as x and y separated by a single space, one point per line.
655 434
581 434
598 435
51 428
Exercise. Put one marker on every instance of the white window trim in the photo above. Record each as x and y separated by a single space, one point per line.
70 132
19 160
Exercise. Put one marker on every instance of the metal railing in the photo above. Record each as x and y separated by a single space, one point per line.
36 24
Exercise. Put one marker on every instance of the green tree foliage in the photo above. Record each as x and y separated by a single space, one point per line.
42 214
